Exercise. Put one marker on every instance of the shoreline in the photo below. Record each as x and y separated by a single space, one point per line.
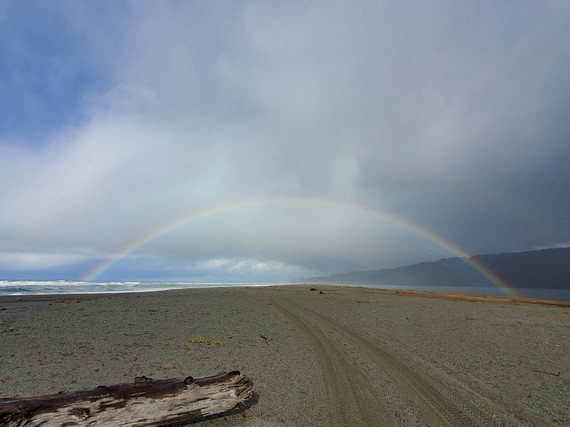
410 357
397 291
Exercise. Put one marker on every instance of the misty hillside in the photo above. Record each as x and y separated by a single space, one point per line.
548 268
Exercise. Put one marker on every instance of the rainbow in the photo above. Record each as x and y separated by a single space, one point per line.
223 208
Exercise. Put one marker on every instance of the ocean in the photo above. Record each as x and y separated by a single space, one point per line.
61 287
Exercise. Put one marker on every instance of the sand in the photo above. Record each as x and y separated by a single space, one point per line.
346 356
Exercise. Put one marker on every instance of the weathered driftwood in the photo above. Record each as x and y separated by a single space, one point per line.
144 402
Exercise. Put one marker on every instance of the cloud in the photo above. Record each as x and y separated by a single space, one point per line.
252 270
560 245
448 116
26 261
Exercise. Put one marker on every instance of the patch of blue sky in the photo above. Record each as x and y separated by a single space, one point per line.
44 71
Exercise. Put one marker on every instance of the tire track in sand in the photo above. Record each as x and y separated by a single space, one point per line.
351 401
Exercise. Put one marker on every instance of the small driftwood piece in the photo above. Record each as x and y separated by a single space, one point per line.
144 402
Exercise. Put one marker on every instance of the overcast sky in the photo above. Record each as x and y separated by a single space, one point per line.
303 137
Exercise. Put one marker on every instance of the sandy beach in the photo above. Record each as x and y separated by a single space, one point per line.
318 355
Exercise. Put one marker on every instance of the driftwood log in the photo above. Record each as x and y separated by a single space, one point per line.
144 402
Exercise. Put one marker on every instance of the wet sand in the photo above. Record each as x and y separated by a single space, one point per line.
346 356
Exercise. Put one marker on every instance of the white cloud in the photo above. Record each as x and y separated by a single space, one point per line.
560 245
216 264
253 269
28 261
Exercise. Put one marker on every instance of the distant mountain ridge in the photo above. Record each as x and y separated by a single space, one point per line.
546 268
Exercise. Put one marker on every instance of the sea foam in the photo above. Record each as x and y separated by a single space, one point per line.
55 287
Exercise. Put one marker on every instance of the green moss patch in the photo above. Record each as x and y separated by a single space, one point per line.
204 340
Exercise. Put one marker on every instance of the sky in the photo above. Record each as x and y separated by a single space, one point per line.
262 141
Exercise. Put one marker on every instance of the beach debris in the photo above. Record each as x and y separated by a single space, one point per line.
145 402
266 339
204 340
554 374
